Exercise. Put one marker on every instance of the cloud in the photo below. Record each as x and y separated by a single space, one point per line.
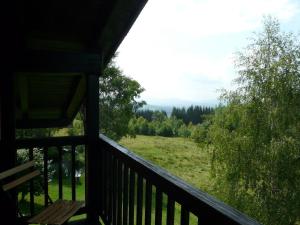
183 48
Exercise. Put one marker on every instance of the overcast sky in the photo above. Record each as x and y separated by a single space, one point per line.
184 49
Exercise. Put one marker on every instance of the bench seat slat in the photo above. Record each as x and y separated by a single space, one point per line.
20 180
16 169
57 213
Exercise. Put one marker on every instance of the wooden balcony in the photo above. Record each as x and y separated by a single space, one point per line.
131 190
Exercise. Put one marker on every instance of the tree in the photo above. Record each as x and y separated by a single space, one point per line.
118 101
256 139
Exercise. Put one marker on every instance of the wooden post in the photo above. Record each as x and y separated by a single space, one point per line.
7 146
92 133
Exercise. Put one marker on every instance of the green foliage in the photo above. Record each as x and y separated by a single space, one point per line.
193 114
256 135
23 157
118 94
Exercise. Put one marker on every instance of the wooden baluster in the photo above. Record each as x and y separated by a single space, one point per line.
105 183
170 211
131 196
125 198
148 206
114 199
119 192
110 187
73 168
31 186
158 207
60 173
139 204
185 216
46 176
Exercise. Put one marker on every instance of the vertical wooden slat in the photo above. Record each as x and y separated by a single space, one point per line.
73 167
46 176
110 188
148 206
125 198
170 211
60 175
139 204
102 181
119 192
105 182
185 216
31 186
131 196
158 207
114 194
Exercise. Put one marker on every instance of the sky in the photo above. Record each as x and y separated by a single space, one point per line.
182 51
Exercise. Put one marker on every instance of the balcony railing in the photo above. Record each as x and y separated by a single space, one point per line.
133 191
61 147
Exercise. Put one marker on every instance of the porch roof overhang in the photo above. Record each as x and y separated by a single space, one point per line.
61 42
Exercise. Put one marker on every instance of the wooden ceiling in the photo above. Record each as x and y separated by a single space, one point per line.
60 42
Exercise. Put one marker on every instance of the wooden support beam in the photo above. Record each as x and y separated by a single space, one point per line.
92 134
77 98
23 89
8 207
58 62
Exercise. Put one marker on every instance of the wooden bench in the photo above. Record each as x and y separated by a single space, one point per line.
57 213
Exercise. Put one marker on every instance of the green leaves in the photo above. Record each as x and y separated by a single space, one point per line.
118 101
256 135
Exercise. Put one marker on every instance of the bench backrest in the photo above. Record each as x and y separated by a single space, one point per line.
27 170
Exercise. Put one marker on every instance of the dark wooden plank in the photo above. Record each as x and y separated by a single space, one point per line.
8 114
46 193
16 170
31 185
170 211
184 217
92 147
21 180
131 196
158 207
102 182
148 205
110 187
57 213
139 204
50 142
125 194
114 194
73 165
105 185
119 192
58 62
60 172
195 200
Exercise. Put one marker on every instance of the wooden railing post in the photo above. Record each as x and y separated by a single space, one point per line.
92 134
7 140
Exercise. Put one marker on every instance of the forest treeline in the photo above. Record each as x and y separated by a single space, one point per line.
182 122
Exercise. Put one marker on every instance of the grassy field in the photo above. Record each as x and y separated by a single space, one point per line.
180 156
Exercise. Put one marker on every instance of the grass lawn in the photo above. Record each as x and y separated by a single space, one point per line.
180 156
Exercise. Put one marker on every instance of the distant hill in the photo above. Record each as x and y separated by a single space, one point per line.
167 109
180 103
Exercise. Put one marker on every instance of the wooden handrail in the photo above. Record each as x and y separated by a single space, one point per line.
194 200
50 141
